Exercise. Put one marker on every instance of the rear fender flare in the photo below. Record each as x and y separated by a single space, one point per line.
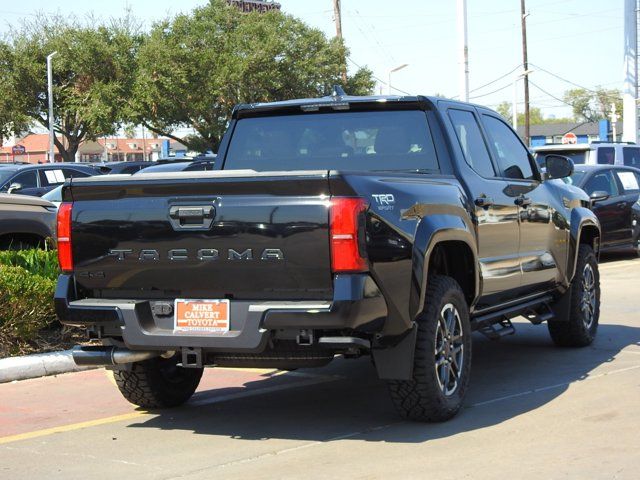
431 231
581 219
394 361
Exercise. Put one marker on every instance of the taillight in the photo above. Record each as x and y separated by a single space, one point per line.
65 256
346 229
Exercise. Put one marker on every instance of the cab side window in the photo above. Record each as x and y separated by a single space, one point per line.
606 155
51 177
628 180
602 181
513 158
631 156
471 141
26 179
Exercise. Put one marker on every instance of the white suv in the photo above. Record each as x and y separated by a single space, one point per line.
594 153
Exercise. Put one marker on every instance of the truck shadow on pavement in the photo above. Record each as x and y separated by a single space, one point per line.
510 377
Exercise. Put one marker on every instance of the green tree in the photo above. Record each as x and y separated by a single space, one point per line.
195 67
93 75
593 105
535 114
504 109
129 130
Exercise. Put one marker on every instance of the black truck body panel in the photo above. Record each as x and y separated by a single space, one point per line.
261 240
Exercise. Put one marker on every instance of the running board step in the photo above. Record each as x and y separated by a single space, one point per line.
498 330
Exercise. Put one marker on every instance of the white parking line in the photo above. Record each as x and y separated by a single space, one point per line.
551 387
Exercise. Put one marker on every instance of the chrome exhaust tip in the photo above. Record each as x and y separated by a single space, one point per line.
108 356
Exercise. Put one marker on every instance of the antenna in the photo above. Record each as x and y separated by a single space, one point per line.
338 91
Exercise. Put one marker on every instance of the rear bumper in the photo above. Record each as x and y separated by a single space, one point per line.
358 304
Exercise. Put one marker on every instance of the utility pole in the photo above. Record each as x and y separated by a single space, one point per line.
525 67
464 50
52 154
614 119
337 15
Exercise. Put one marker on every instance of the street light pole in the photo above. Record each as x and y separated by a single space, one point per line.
50 94
525 66
389 76
464 50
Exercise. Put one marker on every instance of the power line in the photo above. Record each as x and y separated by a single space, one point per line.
372 30
547 93
572 83
490 93
380 80
496 80
490 83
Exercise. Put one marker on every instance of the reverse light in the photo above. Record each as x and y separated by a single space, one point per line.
346 230
63 234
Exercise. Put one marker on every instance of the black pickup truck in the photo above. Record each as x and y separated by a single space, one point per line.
384 226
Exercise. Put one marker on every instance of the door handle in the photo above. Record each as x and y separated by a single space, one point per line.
523 201
483 202
192 217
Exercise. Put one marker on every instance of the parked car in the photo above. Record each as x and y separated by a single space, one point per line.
25 221
614 193
178 166
54 196
38 179
114 168
594 153
382 226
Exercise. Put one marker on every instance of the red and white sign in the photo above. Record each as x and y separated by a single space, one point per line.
201 316
18 150
569 139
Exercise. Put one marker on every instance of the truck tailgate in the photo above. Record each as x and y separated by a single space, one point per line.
221 234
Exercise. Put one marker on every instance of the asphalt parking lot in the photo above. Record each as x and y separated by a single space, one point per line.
532 411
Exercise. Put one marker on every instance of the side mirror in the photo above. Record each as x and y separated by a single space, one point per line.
14 187
598 196
558 166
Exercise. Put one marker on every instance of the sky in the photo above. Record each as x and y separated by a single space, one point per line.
570 42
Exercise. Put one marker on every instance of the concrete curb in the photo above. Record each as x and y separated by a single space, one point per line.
38 365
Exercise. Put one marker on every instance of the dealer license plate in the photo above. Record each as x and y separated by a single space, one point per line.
201 316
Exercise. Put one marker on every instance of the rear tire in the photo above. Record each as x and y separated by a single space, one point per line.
579 329
442 360
158 383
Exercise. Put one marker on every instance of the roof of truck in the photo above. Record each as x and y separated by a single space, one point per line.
341 102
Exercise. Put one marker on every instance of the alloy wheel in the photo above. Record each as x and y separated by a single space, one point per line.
588 300
449 349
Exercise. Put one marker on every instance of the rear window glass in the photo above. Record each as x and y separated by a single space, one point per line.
71 173
390 140
631 156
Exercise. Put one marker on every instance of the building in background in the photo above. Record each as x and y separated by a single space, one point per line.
117 149
548 133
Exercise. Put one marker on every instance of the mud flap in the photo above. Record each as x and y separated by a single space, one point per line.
561 307
396 362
